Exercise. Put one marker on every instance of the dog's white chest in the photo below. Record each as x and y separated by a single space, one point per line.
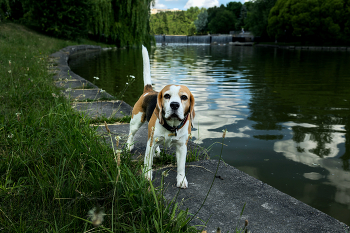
170 140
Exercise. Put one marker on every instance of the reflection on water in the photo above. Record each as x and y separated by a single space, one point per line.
287 112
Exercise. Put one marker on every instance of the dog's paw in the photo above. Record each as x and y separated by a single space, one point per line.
157 152
181 181
130 146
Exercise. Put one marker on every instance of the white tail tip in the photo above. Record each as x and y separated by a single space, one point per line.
146 67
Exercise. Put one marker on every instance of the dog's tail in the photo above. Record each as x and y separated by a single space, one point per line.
146 68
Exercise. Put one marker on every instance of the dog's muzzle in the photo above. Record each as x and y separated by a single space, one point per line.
174 111
174 105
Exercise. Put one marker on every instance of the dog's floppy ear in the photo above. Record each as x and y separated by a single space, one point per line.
192 113
159 108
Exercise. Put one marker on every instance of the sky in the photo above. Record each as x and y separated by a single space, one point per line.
185 4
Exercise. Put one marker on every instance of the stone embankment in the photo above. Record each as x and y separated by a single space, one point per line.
266 209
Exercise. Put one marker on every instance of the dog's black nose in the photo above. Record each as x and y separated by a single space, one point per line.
174 105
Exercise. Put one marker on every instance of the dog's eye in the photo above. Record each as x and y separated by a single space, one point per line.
183 97
167 96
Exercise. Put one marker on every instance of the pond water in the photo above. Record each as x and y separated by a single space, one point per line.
287 112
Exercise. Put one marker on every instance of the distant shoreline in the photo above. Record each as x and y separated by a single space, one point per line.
296 47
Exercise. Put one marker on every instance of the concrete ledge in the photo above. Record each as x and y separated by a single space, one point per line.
326 48
241 43
60 62
267 209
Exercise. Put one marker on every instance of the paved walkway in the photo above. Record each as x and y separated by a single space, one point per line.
266 209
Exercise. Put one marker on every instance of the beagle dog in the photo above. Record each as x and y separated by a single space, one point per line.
170 115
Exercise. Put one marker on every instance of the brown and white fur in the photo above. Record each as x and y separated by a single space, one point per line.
170 106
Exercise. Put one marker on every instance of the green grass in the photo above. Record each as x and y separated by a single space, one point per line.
99 99
110 120
54 168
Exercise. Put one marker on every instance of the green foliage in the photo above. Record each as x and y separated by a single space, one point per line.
257 18
202 21
228 18
4 9
175 23
314 21
235 7
221 20
242 17
122 22
192 13
59 18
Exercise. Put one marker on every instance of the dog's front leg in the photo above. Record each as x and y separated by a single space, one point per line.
147 169
181 152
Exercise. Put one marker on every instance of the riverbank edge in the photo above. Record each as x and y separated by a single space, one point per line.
307 217
295 47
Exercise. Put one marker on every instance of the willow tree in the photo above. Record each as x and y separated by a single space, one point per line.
124 22
4 7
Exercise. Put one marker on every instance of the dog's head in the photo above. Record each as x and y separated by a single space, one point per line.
175 101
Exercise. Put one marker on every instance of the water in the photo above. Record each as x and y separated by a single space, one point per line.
175 39
198 39
287 112
221 39
193 39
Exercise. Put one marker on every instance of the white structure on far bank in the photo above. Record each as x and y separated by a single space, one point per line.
155 11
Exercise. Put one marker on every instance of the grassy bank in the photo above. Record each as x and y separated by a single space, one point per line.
55 173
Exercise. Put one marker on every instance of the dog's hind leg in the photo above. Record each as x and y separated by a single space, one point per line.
136 122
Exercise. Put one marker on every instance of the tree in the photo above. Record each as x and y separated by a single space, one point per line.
175 23
192 13
313 21
243 15
202 21
165 23
223 21
257 16
4 9
117 21
59 18
235 7
121 22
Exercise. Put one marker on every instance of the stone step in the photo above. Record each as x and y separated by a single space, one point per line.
75 84
109 109
86 94
122 130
